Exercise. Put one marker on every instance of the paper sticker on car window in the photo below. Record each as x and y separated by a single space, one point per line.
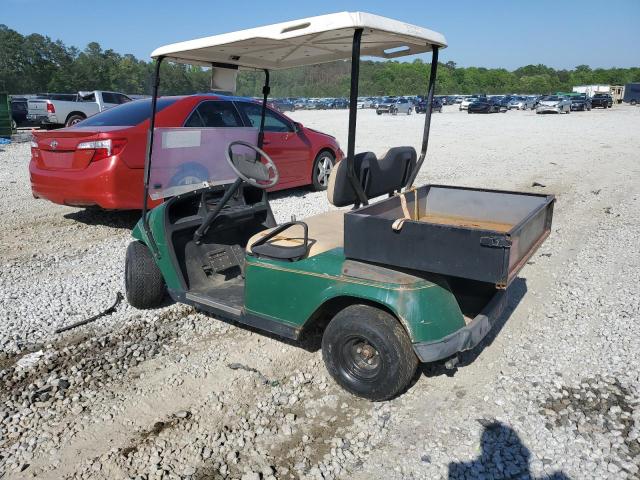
181 139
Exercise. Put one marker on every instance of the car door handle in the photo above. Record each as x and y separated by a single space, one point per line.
265 142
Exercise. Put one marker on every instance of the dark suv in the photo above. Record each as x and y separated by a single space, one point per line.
581 103
602 100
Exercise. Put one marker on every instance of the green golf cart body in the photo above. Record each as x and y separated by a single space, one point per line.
418 276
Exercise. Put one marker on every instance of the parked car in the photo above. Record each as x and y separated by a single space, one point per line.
69 97
339 103
436 106
521 103
300 103
601 100
395 105
52 112
631 93
448 100
365 102
283 105
377 101
580 103
19 111
554 104
100 161
468 101
487 105
324 104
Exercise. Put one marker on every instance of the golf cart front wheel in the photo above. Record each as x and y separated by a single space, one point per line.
368 353
144 284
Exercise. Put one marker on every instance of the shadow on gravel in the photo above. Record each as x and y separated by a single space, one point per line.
296 192
116 219
502 456
517 290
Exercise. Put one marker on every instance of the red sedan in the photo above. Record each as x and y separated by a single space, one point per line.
100 161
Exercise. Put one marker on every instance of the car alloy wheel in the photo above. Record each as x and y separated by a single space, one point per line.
322 171
189 180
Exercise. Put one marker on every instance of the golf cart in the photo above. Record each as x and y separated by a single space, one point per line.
416 276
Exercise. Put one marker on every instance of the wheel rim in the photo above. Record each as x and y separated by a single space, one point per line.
323 170
75 120
189 180
360 359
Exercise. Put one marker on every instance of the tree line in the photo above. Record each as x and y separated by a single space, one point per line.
35 63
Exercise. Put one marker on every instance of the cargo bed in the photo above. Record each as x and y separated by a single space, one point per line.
479 234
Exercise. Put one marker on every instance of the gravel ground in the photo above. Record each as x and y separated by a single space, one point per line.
554 392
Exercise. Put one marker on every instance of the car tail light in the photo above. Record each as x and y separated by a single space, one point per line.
35 153
103 148
51 107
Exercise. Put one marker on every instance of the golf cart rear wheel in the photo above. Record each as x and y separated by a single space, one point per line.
368 353
144 284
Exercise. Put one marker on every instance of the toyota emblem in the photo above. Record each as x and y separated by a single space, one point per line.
53 144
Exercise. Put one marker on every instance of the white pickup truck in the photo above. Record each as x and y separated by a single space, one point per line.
55 113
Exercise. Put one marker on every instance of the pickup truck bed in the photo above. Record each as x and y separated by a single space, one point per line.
50 111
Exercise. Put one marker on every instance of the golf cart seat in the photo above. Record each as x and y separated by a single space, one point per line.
325 231
382 176
285 242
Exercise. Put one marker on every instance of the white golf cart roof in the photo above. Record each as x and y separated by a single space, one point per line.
306 41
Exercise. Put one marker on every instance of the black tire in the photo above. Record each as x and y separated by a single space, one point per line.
368 353
322 159
143 280
73 119
379 113
409 111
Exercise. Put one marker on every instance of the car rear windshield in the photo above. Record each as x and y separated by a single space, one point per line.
127 114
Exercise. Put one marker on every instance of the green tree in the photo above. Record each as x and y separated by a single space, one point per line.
35 63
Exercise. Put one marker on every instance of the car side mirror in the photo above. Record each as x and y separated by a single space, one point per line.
297 126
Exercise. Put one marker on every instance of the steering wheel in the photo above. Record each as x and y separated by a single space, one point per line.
252 170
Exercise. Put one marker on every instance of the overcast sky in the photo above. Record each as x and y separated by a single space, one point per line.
487 33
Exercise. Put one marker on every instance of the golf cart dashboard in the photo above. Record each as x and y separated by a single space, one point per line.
192 208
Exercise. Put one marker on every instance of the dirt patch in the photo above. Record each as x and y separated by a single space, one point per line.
156 429
596 407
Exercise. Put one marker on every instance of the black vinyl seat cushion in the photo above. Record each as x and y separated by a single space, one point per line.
382 176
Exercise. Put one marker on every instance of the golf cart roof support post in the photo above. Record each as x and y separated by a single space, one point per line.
147 160
211 82
427 118
353 113
265 93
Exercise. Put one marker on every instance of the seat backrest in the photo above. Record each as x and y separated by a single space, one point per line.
377 176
